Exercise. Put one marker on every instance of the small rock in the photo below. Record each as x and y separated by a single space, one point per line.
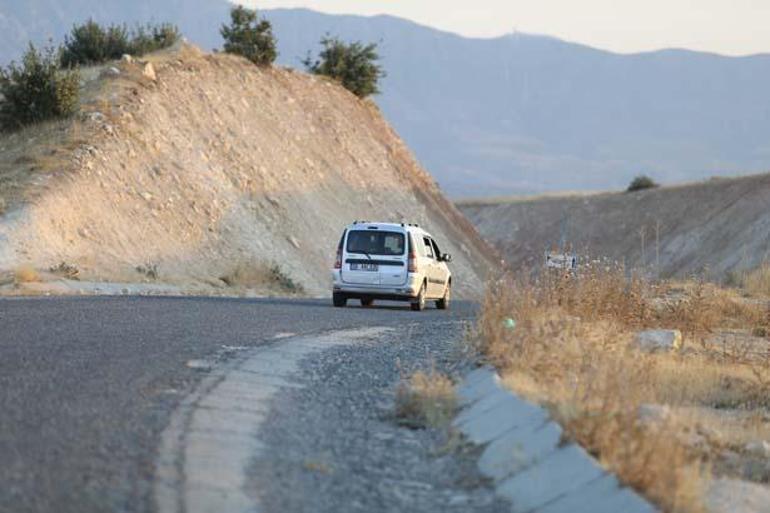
294 242
201 365
111 72
652 415
711 434
458 500
658 340
97 117
694 441
127 58
759 448
147 196
149 72
272 200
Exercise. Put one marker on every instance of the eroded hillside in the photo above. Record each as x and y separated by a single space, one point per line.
715 227
212 174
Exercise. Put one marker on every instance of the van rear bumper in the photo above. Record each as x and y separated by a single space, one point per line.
403 293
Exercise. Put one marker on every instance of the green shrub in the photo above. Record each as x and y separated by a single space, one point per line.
354 65
249 36
641 182
90 43
150 38
36 90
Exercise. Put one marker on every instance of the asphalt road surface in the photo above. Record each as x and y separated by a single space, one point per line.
87 385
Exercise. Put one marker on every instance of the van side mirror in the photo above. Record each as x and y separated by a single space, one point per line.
446 257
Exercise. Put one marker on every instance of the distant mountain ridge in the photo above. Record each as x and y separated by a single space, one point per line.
521 113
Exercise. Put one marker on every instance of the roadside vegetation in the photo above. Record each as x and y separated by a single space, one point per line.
354 65
755 282
261 277
249 36
665 421
25 274
642 182
426 399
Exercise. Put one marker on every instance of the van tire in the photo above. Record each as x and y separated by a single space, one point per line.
443 303
367 302
339 300
419 303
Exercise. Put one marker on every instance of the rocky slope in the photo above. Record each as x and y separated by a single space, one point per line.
215 173
714 227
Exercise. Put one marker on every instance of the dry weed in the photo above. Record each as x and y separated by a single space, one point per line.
426 400
26 274
65 270
564 341
260 275
757 281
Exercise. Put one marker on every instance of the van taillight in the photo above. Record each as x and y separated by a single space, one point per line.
338 260
412 268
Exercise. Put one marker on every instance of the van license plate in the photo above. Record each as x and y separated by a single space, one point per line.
364 267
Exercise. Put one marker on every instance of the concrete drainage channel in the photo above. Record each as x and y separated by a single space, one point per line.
213 435
525 459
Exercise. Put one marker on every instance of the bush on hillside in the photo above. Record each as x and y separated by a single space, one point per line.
150 38
249 36
36 90
90 43
641 182
354 65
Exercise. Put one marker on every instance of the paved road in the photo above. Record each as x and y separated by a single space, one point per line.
88 384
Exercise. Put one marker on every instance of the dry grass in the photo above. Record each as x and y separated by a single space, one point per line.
26 274
65 270
571 350
29 154
258 275
757 281
426 399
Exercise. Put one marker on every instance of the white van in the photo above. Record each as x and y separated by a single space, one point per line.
396 262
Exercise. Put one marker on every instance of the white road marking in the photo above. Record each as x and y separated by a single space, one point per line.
213 435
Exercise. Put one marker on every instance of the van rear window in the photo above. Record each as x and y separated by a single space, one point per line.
375 242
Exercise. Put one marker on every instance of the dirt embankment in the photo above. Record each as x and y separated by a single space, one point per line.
215 174
718 226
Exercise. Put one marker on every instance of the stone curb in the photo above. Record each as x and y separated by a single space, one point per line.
525 458
213 435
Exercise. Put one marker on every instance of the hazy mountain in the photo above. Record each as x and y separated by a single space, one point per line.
525 113
513 114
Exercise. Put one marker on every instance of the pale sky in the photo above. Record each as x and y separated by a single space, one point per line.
732 27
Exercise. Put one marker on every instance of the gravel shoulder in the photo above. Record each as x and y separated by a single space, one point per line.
334 444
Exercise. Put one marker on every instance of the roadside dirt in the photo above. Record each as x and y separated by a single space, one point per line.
217 176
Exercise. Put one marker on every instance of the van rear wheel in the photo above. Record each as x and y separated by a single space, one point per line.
339 300
419 304
443 303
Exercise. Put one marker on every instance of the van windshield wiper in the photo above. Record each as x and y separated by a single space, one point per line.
362 253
